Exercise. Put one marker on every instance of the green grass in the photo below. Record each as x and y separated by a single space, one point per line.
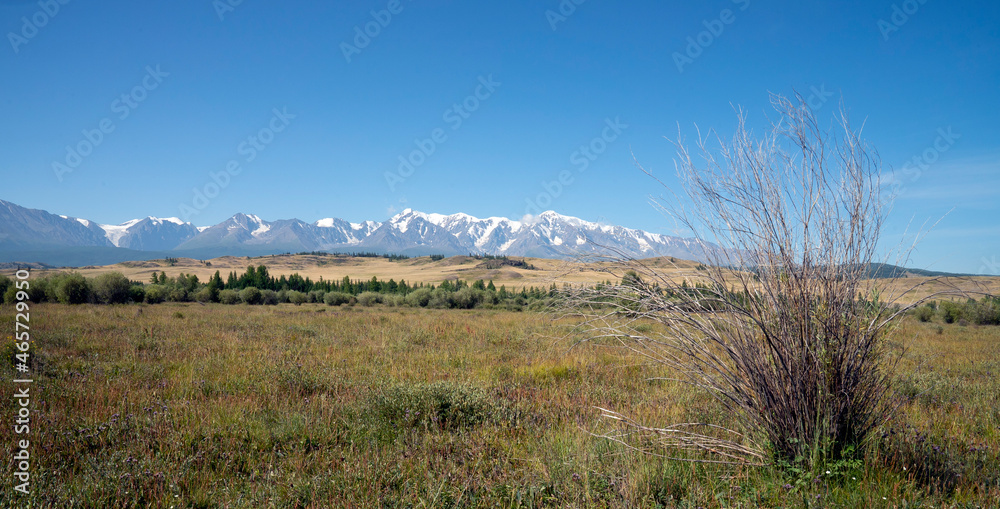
234 406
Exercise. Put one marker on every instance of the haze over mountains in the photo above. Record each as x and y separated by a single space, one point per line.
30 235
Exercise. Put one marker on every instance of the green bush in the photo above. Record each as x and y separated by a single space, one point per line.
112 288
925 313
72 289
394 300
984 312
137 293
336 298
297 298
229 297
440 298
250 295
269 298
440 405
155 294
203 295
418 298
9 295
950 311
368 299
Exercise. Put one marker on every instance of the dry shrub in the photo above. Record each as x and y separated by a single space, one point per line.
783 326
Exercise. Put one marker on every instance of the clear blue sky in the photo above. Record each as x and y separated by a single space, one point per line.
553 90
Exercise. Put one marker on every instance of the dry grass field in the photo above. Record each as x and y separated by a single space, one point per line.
189 405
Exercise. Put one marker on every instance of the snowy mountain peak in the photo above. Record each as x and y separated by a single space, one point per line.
161 220
410 232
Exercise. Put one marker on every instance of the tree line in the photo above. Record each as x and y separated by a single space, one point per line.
257 285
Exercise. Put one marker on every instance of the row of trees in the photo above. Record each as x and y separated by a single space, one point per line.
73 288
985 311
259 277
257 286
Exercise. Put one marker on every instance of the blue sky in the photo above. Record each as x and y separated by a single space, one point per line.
490 101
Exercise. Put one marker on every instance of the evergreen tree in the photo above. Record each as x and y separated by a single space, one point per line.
262 280
214 286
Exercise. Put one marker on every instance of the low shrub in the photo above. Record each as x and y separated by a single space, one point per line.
950 311
229 297
925 313
250 295
155 294
438 405
418 298
269 298
337 298
297 298
368 299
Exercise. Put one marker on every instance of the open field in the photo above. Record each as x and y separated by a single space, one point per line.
189 405
424 270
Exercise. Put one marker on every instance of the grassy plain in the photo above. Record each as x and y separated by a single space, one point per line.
188 405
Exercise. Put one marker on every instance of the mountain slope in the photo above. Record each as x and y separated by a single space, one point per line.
23 228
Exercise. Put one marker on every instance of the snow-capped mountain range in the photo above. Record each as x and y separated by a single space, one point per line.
548 235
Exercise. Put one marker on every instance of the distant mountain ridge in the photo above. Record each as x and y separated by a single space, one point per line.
548 235
31 236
